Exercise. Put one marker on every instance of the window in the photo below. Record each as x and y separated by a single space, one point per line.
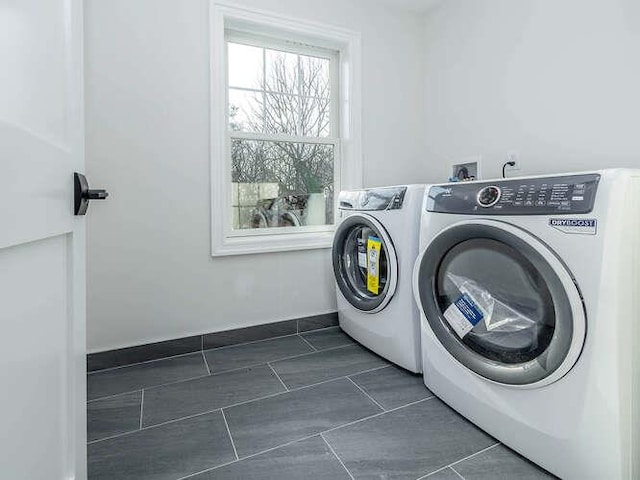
284 133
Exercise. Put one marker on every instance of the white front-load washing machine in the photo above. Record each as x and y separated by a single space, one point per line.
374 249
529 295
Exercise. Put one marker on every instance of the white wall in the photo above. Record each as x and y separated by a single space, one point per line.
150 273
558 80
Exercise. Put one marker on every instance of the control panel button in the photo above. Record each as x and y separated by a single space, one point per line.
488 196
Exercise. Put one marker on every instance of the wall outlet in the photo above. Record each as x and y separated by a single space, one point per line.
513 156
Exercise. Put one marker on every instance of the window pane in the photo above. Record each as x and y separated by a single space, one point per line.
281 72
245 111
281 184
281 113
315 80
315 117
245 66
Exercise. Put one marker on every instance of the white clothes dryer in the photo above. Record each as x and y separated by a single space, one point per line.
374 249
529 293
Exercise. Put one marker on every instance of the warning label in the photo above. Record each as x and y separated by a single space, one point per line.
463 315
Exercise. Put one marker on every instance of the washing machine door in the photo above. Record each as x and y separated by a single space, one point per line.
501 303
350 263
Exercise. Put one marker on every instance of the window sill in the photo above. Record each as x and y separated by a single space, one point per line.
271 243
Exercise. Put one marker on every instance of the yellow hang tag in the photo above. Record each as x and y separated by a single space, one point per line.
373 264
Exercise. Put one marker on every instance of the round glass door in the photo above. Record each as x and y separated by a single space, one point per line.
519 318
359 241
503 306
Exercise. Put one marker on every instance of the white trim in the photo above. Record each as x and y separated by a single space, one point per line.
284 231
282 137
276 42
273 92
348 144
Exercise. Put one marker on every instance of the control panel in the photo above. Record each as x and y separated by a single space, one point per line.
529 196
383 198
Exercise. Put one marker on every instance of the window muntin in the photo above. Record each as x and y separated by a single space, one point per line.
282 136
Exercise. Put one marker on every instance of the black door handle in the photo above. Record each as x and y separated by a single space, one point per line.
82 194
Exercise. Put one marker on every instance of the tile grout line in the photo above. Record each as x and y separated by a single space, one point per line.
111 437
337 456
141 407
378 414
228 371
299 388
308 437
142 363
457 473
278 376
113 396
474 454
305 341
337 325
460 460
188 379
251 342
367 371
206 364
367 395
235 452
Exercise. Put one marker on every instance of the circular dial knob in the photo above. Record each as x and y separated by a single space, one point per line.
488 196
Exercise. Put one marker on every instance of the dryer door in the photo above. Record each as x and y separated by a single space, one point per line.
501 303
352 263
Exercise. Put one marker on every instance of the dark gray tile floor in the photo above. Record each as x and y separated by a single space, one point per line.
392 387
191 397
326 365
143 375
311 405
310 458
229 358
327 338
113 415
407 442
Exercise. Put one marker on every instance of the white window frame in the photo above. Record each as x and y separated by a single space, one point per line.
252 23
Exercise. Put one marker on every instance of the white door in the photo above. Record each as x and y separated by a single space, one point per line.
42 244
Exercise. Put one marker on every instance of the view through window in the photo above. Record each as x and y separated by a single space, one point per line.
282 134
